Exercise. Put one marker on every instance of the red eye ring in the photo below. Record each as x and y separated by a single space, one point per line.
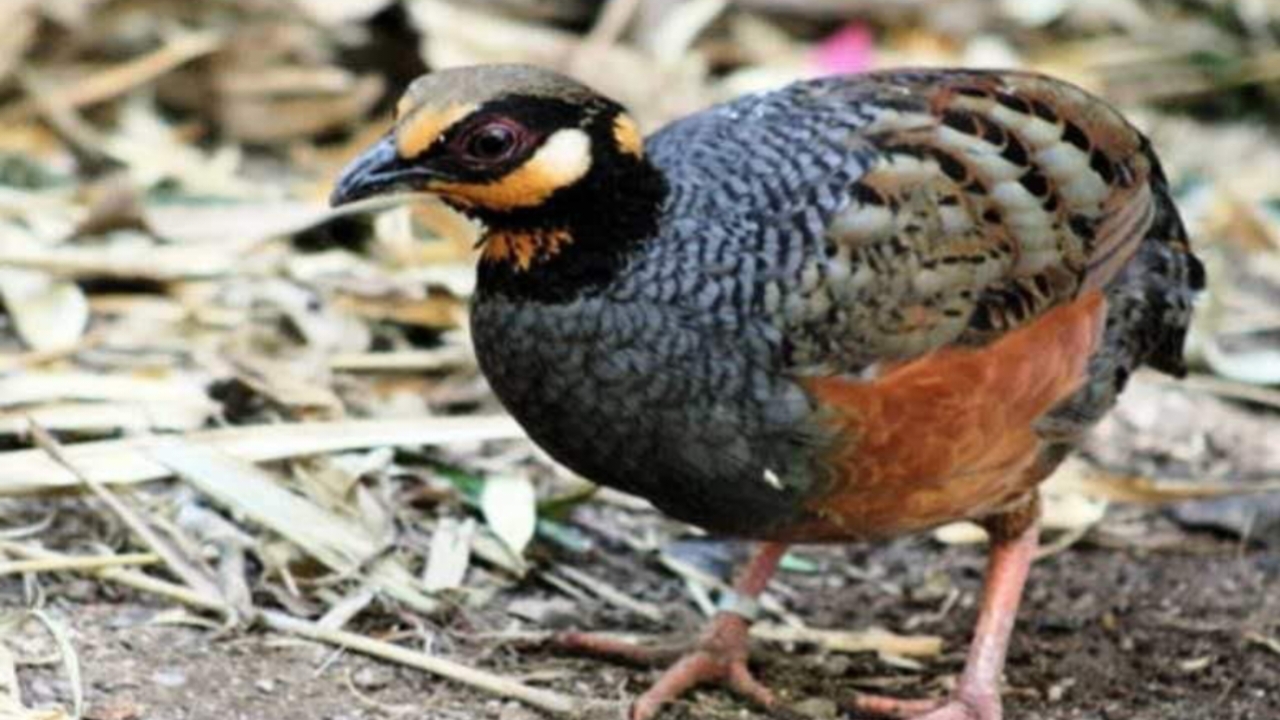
491 142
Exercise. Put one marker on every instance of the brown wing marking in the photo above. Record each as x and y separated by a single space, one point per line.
993 199
946 436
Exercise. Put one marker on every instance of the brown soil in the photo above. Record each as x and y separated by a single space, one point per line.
1109 634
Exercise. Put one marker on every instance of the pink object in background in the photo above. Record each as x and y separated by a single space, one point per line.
850 49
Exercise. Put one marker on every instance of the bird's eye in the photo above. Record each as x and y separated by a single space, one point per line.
491 142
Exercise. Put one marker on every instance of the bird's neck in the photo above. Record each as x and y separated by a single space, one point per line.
580 239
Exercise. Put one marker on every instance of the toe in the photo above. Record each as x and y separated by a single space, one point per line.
958 708
690 671
955 711
878 706
616 650
741 681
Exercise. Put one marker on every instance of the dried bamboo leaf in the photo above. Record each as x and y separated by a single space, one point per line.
1255 366
127 461
450 554
111 417
510 507
48 313
242 223
45 387
120 260
338 542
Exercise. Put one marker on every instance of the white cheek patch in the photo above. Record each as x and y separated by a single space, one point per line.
563 159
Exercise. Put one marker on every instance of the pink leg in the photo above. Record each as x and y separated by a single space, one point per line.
720 654
978 695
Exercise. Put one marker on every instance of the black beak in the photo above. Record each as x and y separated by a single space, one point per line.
376 171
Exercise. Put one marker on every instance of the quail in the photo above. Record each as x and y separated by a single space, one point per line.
849 309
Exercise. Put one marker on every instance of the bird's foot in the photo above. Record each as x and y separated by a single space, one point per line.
719 656
961 706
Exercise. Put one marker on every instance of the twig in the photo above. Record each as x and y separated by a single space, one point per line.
74 562
131 578
70 660
546 700
191 574
1267 641
611 594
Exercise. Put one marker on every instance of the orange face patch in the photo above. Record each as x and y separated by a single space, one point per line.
526 187
627 135
522 248
420 129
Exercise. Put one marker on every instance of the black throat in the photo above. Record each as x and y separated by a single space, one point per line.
606 216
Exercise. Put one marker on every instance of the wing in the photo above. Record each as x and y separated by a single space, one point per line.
894 214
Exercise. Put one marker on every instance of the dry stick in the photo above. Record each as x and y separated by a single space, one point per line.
611 594
195 579
67 654
546 700
130 578
447 358
73 562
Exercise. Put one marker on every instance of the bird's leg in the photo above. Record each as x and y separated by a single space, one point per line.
719 655
977 696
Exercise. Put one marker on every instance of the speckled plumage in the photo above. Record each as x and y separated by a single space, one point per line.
838 227
853 308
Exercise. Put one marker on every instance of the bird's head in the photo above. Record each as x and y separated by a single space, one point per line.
529 152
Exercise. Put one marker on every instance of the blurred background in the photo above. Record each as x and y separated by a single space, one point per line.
223 405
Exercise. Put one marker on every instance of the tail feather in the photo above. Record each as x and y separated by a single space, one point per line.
1172 276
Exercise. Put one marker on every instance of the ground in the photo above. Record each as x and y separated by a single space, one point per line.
1105 633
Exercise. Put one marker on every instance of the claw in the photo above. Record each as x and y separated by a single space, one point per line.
887 707
719 657
961 707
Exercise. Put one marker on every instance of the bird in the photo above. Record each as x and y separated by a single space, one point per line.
849 309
